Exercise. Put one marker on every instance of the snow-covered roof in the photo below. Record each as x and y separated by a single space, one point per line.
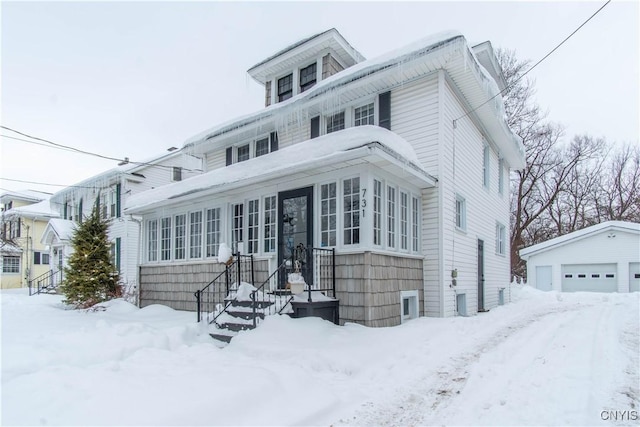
62 229
7 248
40 209
446 50
332 149
603 227
24 195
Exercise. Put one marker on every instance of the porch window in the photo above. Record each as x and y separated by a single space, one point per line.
237 224
351 206
180 236
335 122
165 239
285 88
415 217
195 234
377 212
363 115
404 220
391 217
328 215
253 228
270 224
213 232
152 240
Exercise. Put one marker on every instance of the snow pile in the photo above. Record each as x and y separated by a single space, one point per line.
546 359
224 253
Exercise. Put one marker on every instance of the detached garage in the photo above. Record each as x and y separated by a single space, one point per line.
601 258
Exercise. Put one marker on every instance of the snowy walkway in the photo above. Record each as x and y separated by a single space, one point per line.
546 359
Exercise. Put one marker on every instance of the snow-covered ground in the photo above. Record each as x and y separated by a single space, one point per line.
546 359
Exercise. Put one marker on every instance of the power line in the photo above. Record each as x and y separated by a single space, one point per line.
69 148
34 142
45 183
536 64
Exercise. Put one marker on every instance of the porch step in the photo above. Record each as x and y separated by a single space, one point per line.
250 304
237 327
246 315
222 337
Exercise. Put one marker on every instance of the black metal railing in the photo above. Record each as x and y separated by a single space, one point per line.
46 282
213 299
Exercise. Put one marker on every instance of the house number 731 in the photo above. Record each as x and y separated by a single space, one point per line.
363 201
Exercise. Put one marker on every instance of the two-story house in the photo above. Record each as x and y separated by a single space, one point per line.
24 217
108 192
399 163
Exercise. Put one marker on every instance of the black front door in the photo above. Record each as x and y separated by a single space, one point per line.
295 231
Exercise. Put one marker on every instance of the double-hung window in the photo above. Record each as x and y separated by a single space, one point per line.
213 232
285 88
11 264
262 147
461 212
165 239
180 227
152 240
237 224
195 234
307 77
242 153
363 115
351 211
501 235
328 215
335 122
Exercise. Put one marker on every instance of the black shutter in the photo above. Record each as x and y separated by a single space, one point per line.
65 210
80 210
274 141
384 105
229 155
118 195
315 127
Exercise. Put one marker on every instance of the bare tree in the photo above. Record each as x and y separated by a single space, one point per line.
618 195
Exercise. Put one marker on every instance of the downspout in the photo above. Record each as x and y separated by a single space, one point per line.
441 189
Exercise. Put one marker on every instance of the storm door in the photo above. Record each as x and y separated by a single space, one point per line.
295 231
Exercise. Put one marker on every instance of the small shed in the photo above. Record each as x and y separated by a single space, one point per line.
602 258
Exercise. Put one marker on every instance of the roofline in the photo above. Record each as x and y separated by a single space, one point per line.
527 252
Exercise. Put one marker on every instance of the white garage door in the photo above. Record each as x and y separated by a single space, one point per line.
634 277
589 277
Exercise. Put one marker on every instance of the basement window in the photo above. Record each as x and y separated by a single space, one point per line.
409 308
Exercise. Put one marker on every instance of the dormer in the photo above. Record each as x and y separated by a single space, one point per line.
301 65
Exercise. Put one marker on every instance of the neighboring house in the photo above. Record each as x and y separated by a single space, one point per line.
57 237
108 192
399 163
602 258
24 217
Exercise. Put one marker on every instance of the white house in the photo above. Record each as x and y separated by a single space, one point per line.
399 163
602 258
108 192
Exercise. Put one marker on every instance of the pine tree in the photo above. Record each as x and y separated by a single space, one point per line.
90 276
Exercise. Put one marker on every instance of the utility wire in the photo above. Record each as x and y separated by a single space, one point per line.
34 142
69 148
536 64
45 183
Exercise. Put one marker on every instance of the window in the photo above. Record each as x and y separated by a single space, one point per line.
270 224
501 176
328 217
363 115
180 226
461 213
568 276
307 77
595 276
104 205
409 305
501 235
45 259
253 226
285 88
36 258
351 200
485 166
112 206
610 276
404 220
262 147
391 217
242 153
152 240
195 234
14 228
415 217
335 122
213 232
582 276
236 225
165 236
176 173
377 212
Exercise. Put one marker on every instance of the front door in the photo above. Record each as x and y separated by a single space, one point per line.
480 275
295 231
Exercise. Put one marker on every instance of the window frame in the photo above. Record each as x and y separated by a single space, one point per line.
166 239
460 213
370 117
335 122
269 223
152 240
310 82
176 173
501 239
283 95
212 233
353 231
253 226
180 237
328 234
195 232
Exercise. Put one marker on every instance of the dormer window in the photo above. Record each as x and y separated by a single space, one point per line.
285 88
307 77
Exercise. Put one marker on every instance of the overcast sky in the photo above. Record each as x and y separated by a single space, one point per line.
133 79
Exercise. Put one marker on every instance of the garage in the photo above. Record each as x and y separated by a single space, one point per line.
601 258
634 277
589 278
